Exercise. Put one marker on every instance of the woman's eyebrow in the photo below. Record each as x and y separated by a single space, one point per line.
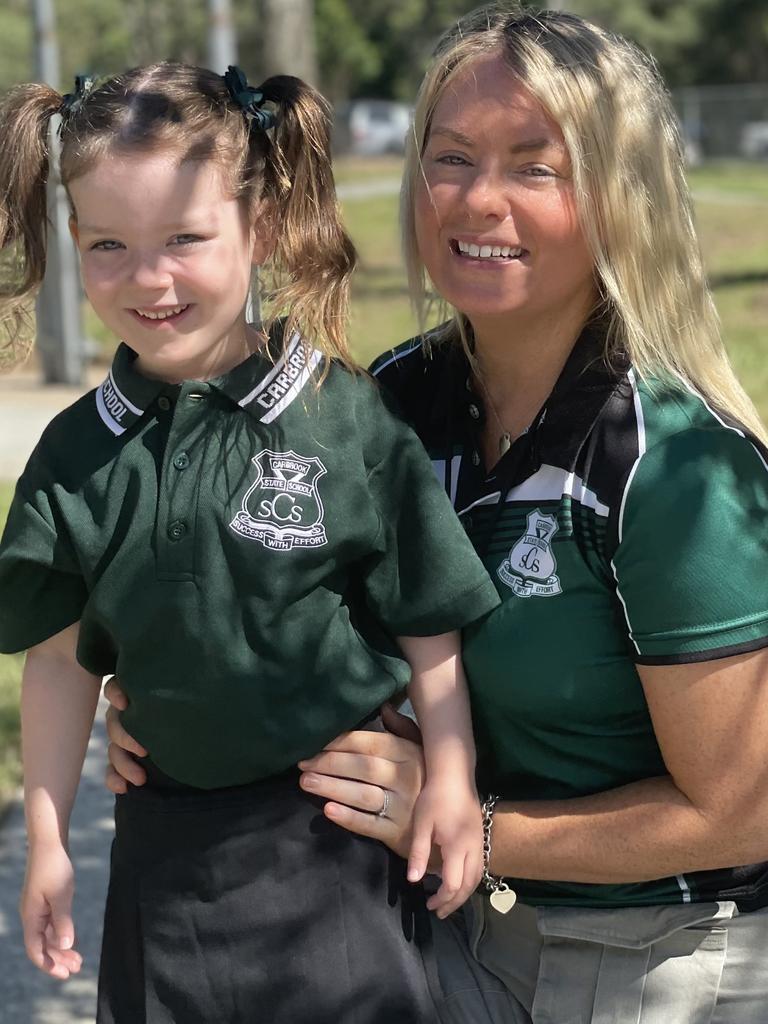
524 146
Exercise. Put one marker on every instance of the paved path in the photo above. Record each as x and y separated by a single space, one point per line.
25 408
26 995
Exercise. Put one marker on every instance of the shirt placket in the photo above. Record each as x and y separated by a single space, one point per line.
179 484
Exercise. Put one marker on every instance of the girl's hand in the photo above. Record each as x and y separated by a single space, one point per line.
46 911
353 772
448 814
122 767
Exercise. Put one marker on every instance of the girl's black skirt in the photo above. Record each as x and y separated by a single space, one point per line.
247 906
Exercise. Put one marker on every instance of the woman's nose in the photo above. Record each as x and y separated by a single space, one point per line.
487 195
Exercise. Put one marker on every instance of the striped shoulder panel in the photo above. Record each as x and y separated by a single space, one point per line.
395 356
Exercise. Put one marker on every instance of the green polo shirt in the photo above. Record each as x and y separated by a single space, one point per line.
626 527
240 552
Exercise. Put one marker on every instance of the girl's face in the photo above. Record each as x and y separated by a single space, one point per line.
495 216
166 257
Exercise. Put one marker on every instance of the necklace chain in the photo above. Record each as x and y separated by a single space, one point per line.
505 438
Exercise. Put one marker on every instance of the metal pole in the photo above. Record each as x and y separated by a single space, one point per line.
59 333
222 39
222 51
290 39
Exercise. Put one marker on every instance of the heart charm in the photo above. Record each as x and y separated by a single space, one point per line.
502 900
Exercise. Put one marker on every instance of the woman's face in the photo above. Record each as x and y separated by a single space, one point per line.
495 216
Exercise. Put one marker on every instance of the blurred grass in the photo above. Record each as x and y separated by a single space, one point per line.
732 213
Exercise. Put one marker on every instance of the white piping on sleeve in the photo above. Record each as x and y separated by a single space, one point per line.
641 449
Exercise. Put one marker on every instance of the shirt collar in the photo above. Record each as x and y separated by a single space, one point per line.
580 392
263 385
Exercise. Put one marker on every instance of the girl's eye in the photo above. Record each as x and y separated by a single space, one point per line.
186 239
106 245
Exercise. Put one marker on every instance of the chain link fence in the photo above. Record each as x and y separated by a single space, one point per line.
722 121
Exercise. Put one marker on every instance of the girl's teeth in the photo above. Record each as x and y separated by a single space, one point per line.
489 251
162 314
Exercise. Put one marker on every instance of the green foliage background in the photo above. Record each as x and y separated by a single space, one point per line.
377 47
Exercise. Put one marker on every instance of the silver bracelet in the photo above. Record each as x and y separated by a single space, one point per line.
502 898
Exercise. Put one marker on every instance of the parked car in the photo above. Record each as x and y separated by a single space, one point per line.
754 140
371 127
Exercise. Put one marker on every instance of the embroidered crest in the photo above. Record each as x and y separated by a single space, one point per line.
530 568
282 508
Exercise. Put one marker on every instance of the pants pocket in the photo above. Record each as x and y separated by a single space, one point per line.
653 965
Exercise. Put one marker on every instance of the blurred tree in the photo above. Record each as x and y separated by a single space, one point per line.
695 42
377 47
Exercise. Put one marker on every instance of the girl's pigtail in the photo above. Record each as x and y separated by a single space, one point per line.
25 115
313 255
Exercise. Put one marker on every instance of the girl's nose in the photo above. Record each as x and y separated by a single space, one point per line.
151 271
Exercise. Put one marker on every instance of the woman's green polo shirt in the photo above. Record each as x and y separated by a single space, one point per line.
241 553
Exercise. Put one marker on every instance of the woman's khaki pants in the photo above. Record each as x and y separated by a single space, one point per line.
689 964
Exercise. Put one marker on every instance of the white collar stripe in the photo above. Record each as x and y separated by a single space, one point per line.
314 360
129 405
290 349
107 418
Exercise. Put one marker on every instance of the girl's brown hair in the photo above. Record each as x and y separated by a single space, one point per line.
283 174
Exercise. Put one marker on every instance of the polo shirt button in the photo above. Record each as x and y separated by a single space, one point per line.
474 412
164 403
177 530
181 461
475 458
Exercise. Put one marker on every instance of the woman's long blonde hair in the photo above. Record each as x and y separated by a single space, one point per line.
283 174
633 200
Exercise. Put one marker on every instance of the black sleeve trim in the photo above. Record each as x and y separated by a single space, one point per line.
692 657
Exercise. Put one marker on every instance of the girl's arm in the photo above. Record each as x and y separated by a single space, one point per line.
448 811
710 811
58 702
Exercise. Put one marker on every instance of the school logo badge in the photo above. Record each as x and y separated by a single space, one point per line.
282 508
530 568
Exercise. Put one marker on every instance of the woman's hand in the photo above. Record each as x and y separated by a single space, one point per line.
122 768
354 772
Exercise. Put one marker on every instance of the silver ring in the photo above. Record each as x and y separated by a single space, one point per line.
385 806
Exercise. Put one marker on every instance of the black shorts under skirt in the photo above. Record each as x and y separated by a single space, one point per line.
247 906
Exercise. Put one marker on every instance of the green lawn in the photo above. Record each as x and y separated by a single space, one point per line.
732 210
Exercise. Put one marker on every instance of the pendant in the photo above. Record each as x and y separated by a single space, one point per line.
505 443
503 899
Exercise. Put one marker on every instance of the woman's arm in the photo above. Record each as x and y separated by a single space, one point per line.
710 811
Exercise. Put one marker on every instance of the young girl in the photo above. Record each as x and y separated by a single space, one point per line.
240 546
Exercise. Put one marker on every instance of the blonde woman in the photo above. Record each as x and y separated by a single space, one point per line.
583 416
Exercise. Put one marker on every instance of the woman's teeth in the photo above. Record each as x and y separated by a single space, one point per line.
484 252
162 314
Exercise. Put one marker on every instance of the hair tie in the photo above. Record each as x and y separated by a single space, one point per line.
249 100
72 102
